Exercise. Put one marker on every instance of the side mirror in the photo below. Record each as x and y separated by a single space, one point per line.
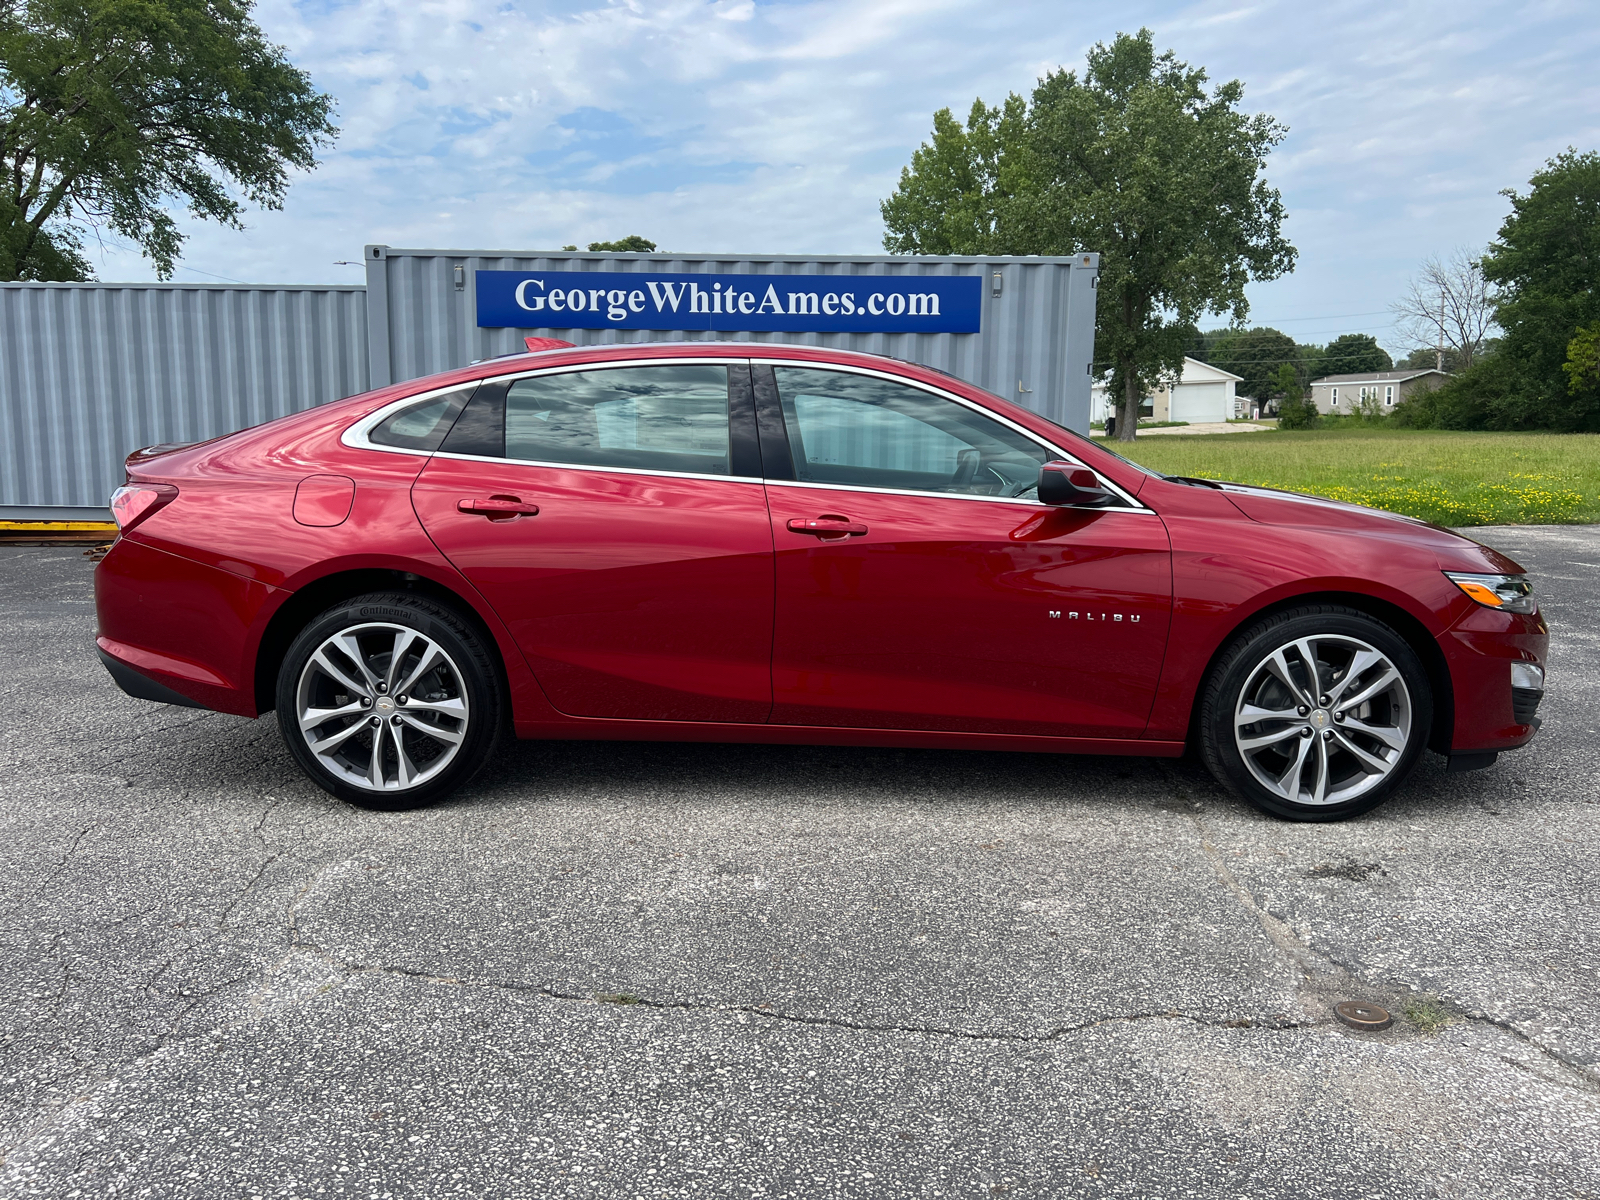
1066 483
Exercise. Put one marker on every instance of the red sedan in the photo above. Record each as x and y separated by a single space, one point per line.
760 543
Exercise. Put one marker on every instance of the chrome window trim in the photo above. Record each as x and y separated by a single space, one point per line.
964 402
848 487
356 435
561 466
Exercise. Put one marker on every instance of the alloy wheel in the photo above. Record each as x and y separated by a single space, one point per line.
1322 720
382 706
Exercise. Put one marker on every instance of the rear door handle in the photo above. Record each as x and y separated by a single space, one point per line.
498 506
827 526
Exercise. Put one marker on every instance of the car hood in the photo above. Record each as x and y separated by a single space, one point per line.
1456 552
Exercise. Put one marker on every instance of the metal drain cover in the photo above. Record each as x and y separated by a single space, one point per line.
1368 1018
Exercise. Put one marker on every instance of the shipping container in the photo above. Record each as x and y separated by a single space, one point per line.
92 371
1034 343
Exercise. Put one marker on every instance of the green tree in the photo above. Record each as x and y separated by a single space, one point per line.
111 108
1424 357
1286 382
957 192
1354 354
1296 410
1582 367
1546 264
1257 356
1135 160
632 244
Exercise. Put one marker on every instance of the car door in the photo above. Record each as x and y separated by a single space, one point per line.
921 585
614 518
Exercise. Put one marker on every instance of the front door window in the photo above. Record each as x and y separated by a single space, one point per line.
865 431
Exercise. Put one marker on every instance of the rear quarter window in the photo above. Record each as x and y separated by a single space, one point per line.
422 426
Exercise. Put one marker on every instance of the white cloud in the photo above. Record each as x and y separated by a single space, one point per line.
738 126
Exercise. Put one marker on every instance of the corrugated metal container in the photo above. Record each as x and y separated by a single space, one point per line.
91 371
1035 344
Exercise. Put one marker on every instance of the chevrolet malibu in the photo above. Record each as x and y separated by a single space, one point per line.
785 544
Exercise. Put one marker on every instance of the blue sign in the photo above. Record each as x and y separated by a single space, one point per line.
735 303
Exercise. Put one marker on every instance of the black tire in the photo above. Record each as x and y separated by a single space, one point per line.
432 742
1335 737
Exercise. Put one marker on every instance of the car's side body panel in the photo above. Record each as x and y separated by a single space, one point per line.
632 596
590 729
233 524
961 614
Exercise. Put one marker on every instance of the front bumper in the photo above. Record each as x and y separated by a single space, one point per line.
1490 714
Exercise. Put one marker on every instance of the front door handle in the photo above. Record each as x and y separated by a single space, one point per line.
498 508
829 526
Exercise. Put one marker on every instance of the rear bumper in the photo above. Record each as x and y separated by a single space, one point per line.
142 687
182 627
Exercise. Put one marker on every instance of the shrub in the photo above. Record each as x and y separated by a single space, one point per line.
1297 413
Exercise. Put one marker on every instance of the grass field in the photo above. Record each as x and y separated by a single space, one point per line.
1448 478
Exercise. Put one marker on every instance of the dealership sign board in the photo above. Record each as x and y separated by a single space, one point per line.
734 303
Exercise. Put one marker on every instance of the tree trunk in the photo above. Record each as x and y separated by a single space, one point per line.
1128 421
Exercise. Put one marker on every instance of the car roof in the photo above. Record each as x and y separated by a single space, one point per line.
737 348
507 364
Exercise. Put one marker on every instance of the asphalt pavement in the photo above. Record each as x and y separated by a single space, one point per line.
644 970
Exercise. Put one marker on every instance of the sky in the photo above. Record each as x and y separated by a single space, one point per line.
777 127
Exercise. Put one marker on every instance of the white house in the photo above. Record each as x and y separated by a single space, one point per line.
1202 393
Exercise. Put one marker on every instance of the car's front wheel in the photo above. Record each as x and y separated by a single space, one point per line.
1316 714
389 700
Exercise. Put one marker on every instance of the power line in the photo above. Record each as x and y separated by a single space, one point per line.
1256 362
214 275
1325 317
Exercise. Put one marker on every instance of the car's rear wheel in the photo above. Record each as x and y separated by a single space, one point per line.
1316 714
389 700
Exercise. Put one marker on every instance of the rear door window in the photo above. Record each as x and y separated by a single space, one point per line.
659 418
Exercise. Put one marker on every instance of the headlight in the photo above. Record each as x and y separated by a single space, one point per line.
1508 593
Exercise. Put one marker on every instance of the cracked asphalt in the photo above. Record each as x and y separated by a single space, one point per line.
651 970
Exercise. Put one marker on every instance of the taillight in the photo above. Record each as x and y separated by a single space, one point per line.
135 502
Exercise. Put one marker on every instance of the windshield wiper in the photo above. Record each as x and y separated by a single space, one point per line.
1194 482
